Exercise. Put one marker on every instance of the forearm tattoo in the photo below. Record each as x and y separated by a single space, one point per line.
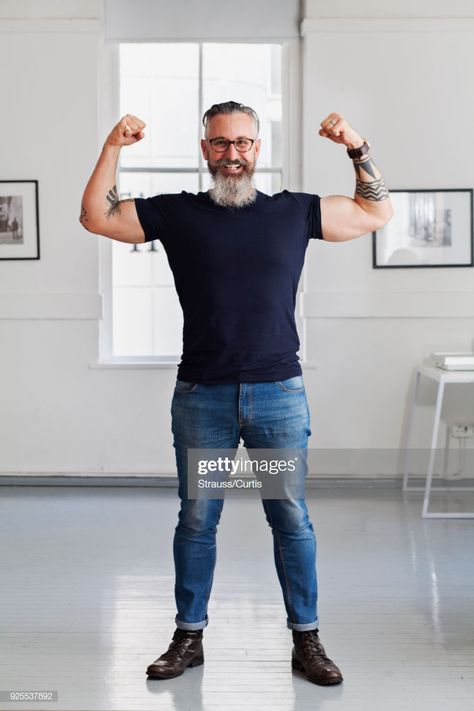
114 203
369 182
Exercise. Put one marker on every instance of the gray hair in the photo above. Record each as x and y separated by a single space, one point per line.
230 107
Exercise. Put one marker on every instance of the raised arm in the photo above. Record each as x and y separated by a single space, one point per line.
102 212
345 218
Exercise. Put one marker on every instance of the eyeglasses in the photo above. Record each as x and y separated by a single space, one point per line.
221 145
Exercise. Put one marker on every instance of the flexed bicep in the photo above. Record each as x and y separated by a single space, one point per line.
102 211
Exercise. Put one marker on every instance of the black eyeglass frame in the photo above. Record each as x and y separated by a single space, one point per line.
229 143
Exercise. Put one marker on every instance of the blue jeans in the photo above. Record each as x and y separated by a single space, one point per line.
263 415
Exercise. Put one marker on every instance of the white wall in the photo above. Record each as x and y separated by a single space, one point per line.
57 414
403 83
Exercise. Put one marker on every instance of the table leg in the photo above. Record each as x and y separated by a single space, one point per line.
409 430
434 441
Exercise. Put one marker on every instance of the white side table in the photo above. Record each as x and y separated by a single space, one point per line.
442 377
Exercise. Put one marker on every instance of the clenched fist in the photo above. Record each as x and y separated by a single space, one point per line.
336 128
129 130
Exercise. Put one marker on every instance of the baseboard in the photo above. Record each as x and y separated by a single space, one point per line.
171 482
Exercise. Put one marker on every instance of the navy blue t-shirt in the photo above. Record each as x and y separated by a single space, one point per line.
236 272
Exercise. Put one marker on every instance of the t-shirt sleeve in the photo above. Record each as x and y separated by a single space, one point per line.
153 216
314 218
310 206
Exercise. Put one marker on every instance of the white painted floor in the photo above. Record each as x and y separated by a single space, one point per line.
87 603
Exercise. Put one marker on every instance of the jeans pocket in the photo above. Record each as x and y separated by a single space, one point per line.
182 386
292 385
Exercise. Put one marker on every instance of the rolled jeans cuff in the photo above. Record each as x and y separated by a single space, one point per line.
191 626
302 627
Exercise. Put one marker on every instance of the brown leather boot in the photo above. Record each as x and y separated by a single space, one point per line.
184 651
308 656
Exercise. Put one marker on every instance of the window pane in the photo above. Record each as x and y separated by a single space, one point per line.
168 322
132 316
129 267
148 184
146 321
174 182
159 83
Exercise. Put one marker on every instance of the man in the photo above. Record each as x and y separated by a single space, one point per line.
15 228
236 256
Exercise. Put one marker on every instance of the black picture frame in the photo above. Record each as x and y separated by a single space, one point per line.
431 228
19 220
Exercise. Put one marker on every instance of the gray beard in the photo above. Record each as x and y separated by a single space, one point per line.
233 192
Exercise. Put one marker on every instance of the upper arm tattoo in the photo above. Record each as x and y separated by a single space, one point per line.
369 182
114 202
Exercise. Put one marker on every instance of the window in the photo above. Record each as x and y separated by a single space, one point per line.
170 86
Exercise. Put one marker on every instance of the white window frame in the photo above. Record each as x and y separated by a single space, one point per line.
109 107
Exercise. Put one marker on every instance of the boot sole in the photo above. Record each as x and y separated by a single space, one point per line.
161 675
296 664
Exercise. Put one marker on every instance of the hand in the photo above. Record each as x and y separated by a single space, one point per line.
336 128
129 130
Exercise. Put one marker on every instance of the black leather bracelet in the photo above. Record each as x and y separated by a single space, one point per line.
355 153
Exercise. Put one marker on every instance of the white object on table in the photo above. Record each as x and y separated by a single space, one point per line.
443 378
453 361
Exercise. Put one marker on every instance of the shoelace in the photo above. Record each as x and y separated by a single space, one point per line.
311 642
178 646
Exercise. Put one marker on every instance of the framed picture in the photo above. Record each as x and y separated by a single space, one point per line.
429 228
19 219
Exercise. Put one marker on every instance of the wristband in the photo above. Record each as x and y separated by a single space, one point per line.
355 153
